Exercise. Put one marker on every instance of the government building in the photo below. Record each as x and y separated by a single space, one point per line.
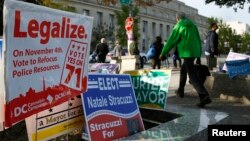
156 20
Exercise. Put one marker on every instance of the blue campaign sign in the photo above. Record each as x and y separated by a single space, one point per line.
238 67
110 107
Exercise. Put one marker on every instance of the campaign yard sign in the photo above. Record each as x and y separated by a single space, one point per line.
238 67
151 87
46 60
57 121
110 108
234 56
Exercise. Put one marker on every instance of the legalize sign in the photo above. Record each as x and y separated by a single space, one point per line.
151 87
45 60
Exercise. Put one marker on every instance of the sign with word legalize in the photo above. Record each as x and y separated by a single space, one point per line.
46 57
56 121
151 87
238 67
2 97
110 108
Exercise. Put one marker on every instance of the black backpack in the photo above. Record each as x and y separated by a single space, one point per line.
202 71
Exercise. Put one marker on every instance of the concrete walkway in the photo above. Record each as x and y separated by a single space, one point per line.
238 112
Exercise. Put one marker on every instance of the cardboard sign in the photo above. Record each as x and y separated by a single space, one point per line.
234 56
110 108
151 87
238 67
56 121
46 57
98 67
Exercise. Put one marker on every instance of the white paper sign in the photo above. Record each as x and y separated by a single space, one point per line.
234 56
54 122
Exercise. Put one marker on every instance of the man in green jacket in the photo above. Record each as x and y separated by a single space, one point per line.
186 37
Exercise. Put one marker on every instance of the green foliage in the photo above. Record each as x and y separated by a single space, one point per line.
101 31
229 3
121 17
60 6
51 4
225 37
245 38
212 20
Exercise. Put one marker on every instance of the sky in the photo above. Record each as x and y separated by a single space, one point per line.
224 13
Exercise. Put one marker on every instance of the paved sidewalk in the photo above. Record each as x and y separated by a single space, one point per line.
238 112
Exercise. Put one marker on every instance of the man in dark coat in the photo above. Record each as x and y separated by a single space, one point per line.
158 45
102 50
211 45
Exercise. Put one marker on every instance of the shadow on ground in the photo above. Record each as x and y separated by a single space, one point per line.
238 112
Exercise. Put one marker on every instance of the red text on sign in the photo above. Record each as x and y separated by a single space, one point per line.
47 29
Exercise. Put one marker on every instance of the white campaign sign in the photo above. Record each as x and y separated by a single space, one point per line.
234 56
59 120
46 57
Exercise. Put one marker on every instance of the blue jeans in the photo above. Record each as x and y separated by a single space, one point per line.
188 68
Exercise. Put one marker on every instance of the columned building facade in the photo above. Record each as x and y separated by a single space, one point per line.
157 20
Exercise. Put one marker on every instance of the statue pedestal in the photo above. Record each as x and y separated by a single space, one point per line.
126 63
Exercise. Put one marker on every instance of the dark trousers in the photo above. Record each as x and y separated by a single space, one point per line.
156 62
188 68
141 62
175 62
101 59
210 62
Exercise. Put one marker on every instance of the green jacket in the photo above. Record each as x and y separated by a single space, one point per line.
186 37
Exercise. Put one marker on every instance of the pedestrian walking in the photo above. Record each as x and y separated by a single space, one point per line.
158 45
186 37
176 58
117 49
101 51
211 46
